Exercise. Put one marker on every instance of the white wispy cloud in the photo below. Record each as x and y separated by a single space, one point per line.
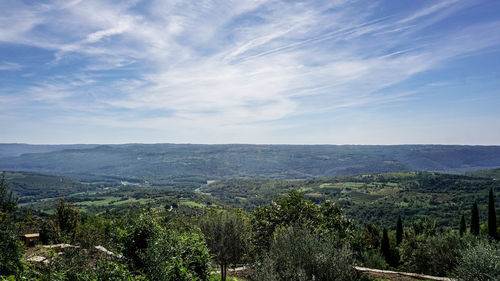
10 66
232 64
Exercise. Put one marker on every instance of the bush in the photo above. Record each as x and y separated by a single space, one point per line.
327 219
433 255
73 264
373 259
11 250
480 261
111 271
163 254
177 257
298 255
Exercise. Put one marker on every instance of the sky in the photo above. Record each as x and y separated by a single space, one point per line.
263 72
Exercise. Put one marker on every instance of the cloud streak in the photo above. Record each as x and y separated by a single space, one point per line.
232 64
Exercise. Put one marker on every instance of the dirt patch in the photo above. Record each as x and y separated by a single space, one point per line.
244 272
398 276
386 276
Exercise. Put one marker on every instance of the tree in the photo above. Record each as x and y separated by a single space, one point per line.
480 261
492 216
227 234
297 254
385 248
474 222
294 210
162 254
372 236
67 219
463 226
11 250
399 231
430 254
8 203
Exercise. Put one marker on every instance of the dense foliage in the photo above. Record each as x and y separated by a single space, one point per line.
163 254
297 254
293 210
228 237
430 254
480 261
10 248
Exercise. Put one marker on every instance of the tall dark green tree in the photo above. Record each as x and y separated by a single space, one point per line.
492 216
474 222
463 226
8 202
11 250
67 218
385 248
399 231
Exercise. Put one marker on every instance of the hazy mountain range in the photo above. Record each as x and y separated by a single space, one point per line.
161 163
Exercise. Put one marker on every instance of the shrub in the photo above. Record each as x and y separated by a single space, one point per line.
111 271
11 250
480 261
163 254
298 255
327 219
433 255
373 259
177 256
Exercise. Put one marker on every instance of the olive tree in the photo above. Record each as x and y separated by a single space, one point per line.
297 254
227 234
295 210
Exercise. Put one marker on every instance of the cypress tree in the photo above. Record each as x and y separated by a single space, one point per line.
463 226
492 216
474 222
399 231
385 247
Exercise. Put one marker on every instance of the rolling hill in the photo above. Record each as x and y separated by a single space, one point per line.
193 164
371 198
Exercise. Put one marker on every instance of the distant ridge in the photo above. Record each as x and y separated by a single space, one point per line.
17 149
159 163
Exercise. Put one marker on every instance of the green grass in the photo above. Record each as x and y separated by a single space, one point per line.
363 197
353 184
305 189
131 200
403 204
193 204
103 202
49 212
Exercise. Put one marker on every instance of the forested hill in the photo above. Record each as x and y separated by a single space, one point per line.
32 187
160 163
16 149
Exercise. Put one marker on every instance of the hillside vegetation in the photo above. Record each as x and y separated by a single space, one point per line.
373 198
32 187
369 198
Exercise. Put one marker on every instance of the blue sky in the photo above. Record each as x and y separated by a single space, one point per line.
291 72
